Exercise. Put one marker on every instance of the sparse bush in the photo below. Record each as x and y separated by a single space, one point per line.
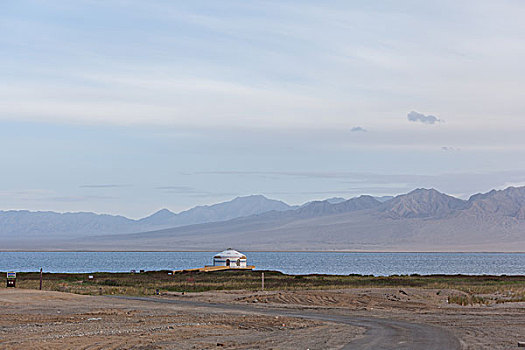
508 288
112 283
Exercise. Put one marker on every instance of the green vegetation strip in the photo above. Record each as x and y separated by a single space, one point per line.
149 282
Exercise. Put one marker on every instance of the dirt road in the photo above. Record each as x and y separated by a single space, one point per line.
355 318
32 319
380 334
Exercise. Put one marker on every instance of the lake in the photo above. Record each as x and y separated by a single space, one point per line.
378 264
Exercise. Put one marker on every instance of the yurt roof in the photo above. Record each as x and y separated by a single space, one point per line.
231 254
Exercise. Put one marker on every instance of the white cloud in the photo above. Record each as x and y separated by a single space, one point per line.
278 65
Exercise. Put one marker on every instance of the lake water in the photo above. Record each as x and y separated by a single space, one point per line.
379 264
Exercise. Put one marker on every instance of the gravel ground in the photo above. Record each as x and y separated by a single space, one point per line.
493 326
32 319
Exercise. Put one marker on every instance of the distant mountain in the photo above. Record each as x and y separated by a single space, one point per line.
422 220
333 200
509 202
23 223
383 198
159 218
238 207
321 208
422 203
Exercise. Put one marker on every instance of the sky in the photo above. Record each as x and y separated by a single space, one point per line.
127 107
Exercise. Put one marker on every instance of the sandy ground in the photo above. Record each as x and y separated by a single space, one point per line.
52 320
496 326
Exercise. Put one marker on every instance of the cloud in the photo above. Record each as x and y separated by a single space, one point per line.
348 191
358 129
178 189
193 192
450 149
31 195
425 119
102 186
324 71
68 199
462 184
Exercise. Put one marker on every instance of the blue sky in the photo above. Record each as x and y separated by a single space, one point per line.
130 106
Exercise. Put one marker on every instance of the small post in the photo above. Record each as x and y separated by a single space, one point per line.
40 278
262 281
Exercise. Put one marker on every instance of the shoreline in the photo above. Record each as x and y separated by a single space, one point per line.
262 251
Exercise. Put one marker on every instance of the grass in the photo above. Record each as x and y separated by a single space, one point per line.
511 288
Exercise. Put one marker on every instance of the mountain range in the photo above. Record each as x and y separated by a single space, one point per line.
422 220
17 223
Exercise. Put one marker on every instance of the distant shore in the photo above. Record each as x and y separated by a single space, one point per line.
257 251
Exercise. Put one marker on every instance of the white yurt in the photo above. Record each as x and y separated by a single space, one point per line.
231 258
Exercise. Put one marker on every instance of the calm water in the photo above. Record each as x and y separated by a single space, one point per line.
379 264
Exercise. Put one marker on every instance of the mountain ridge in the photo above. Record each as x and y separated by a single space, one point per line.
237 207
420 220
38 223
421 203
